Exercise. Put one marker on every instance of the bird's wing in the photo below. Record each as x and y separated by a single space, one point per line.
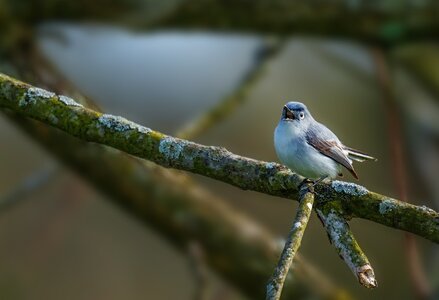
323 140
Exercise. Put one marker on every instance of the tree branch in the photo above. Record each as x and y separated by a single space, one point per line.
276 282
215 162
347 247
143 189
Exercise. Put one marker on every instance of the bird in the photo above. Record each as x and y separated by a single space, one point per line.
309 148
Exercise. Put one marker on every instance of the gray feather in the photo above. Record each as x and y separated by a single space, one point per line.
327 143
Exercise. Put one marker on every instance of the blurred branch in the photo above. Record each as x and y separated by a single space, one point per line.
417 275
343 240
225 107
377 21
28 185
235 246
292 244
214 162
385 22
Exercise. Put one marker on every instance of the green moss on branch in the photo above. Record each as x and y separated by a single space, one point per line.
292 244
214 162
344 242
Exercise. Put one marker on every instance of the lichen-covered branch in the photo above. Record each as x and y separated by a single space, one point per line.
347 247
292 244
215 162
229 104
161 197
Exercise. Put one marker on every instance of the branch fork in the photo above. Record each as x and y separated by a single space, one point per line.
336 200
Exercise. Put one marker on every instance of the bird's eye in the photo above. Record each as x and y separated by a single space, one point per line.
301 115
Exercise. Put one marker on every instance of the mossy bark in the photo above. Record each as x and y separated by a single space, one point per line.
345 243
214 162
292 244
237 248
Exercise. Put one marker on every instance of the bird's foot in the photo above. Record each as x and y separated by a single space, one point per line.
319 180
309 184
313 182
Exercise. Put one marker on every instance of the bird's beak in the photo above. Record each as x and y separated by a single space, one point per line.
288 113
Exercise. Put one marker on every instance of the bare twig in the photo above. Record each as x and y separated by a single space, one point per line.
347 247
292 244
229 104
417 274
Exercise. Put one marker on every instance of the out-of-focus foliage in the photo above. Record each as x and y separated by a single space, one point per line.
337 79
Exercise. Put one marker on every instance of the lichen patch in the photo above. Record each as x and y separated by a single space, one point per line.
68 101
121 124
271 165
349 188
387 206
33 94
426 209
340 240
170 148
114 122
142 129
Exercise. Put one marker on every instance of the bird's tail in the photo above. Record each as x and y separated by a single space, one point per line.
358 155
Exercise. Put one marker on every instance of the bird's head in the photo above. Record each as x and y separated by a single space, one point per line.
295 113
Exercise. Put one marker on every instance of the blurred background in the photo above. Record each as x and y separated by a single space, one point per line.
80 221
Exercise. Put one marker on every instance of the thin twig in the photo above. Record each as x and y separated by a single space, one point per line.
214 162
417 274
230 103
347 247
276 282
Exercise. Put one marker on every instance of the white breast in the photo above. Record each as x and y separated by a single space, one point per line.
294 152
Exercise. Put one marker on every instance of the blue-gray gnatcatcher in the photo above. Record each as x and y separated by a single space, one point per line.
310 148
